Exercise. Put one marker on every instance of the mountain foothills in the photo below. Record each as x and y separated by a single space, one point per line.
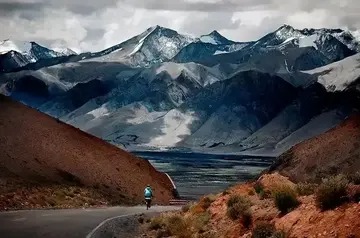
47 163
164 90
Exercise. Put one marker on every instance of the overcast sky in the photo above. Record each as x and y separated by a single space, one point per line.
91 25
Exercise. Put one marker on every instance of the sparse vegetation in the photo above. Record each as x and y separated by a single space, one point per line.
156 223
258 187
285 199
178 226
306 189
200 221
354 178
238 207
267 230
261 191
186 207
332 192
207 201
226 192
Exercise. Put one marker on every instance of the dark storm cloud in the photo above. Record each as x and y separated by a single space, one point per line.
88 7
11 7
202 6
98 24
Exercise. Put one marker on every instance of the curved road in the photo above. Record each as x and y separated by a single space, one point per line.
63 223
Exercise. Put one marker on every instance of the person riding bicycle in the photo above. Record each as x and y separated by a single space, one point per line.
148 196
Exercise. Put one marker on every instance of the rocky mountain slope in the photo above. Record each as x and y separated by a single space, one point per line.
334 152
16 54
140 96
46 152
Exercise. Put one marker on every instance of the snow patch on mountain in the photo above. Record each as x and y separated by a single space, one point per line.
308 41
141 41
175 127
100 112
215 38
218 52
337 76
208 39
65 51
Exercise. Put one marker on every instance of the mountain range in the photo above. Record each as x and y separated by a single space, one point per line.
164 90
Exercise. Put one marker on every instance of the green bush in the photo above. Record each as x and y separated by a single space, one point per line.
267 230
306 189
258 187
332 192
285 199
238 207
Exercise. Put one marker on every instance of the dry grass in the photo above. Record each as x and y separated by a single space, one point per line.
238 207
52 196
332 192
306 189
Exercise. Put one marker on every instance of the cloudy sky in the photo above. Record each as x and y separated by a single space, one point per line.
91 25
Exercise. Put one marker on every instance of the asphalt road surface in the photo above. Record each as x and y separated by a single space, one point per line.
63 223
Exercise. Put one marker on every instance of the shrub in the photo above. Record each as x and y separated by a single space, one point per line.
332 192
226 192
306 189
162 233
353 192
201 220
267 230
187 207
156 223
207 201
239 207
355 178
258 187
263 230
285 199
178 227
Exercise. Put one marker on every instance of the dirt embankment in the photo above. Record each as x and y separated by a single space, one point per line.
211 216
38 151
334 152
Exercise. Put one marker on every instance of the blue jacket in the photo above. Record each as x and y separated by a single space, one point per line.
148 192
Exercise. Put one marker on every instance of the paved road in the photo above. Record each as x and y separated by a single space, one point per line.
62 223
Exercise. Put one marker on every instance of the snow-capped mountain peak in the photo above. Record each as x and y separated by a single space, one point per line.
215 38
287 31
18 46
65 51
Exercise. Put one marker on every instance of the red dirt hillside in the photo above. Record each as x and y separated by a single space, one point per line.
38 149
336 151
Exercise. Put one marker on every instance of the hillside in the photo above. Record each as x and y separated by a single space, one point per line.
336 151
37 150
250 211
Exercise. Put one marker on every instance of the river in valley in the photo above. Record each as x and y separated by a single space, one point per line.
198 174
